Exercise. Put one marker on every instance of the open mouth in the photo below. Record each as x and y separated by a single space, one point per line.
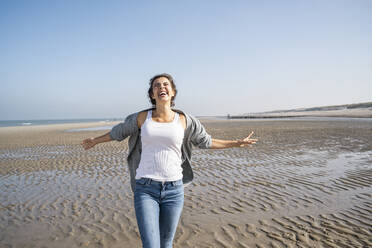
162 94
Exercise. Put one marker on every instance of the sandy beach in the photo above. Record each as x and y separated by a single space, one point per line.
306 183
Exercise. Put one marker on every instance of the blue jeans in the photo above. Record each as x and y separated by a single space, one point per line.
158 209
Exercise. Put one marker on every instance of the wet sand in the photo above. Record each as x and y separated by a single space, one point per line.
307 183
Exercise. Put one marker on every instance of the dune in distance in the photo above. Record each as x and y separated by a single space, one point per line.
356 110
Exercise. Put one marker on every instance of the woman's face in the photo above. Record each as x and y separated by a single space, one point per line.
162 90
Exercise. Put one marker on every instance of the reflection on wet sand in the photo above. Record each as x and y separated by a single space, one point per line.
307 183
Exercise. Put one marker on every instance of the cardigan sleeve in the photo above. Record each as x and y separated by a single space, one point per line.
199 136
122 130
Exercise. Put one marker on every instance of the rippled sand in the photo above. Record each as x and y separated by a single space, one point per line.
307 183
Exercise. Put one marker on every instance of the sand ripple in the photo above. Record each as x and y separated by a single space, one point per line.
305 184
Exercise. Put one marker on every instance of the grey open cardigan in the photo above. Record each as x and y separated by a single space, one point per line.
195 134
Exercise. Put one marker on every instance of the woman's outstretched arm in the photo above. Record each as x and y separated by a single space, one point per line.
119 132
91 142
220 144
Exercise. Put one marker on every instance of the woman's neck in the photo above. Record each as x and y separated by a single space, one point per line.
163 111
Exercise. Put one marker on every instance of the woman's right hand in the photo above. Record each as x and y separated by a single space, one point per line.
88 143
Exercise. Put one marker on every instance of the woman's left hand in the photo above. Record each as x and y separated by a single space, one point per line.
221 144
247 141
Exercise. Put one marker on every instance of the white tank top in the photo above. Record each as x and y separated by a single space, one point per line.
161 156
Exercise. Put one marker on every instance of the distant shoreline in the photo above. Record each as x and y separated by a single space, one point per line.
331 114
296 116
25 123
359 110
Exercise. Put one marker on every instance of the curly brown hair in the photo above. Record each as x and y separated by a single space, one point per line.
171 80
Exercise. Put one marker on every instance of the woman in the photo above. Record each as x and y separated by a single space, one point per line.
160 143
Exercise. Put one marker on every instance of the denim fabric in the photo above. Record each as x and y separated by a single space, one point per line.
158 209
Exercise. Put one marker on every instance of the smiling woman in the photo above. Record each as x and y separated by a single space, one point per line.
159 159
167 79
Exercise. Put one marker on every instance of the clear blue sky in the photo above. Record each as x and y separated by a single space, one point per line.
86 59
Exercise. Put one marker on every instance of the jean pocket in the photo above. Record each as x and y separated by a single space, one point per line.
142 181
178 183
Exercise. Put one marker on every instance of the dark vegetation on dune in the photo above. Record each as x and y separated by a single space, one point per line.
327 108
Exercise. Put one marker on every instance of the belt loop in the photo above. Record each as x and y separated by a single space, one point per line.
150 180
173 183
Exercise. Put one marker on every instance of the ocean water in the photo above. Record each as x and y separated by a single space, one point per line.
13 123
